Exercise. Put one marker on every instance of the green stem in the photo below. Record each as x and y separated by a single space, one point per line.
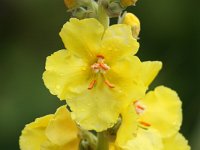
102 15
102 141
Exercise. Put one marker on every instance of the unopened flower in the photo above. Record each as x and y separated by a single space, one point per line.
126 3
97 75
51 132
70 3
133 21
113 8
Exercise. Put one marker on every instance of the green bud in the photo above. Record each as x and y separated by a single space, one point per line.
112 7
82 8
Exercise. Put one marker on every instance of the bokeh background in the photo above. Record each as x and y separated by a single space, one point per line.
29 32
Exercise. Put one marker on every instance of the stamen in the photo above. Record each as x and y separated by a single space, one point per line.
139 108
92 84
95 66
109 84
104 66
142 127
144 123
100 56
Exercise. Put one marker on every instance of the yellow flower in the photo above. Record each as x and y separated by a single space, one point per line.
97 75
51 132
130 136
133 21
163 111
156 125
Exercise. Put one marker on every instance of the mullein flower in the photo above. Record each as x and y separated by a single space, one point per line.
51 132
97 75
155 121
163 102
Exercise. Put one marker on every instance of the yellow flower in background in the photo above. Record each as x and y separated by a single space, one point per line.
133 21
97 75
129 136
51 132
163 111
156 125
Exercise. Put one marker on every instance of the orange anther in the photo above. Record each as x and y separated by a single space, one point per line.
100 56
103 66
145 123
140 107
109 84
92 84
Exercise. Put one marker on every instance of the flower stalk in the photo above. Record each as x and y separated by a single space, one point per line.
102 141
102 15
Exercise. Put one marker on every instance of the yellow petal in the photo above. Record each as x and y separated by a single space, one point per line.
96 109
145 140
82 37
128 128
149 71
118 42
62 129
163 111
47 145
111 146
65 74
176 142
33 135
125 74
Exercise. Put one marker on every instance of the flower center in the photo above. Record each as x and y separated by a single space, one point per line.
140 109
100 67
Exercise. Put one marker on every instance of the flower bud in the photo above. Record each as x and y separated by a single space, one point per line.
70 3
113 8
126 3
82 8
133 21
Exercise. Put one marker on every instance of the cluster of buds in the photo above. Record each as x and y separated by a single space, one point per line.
111 8
88 8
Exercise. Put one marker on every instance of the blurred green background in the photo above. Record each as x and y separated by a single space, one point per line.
29 32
